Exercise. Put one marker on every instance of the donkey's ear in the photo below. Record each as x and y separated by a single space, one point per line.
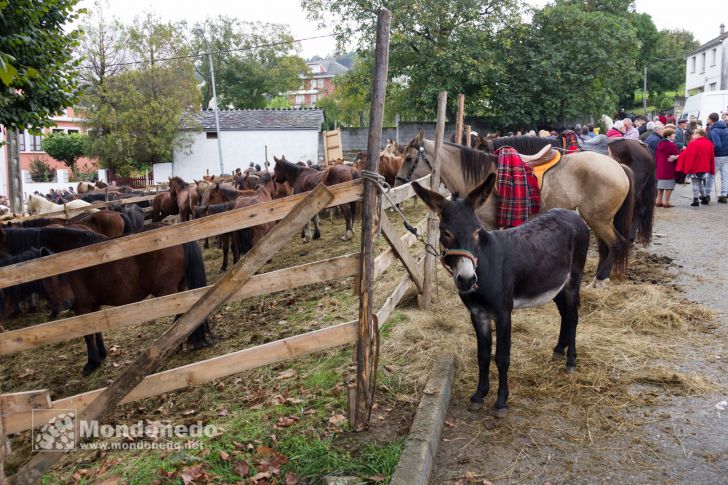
434 201
420 136
480 194
277 160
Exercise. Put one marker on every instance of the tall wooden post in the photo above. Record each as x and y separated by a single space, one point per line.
15 184
366 344
396 129
432 225
459 120
468 132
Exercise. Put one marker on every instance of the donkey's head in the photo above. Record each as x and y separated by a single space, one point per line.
460 230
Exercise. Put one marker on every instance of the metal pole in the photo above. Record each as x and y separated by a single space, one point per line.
644 92
201 33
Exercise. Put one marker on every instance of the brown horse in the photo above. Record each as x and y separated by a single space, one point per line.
158 273
108 223
184 195
162 206
245 239
303 179
598 186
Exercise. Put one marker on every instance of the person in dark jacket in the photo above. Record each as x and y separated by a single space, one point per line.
681 135
719 138
655 137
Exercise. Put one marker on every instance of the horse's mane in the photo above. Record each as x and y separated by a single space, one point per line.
23 290
179 180
19 239
528 145
42 222
475 164
227 191
218 208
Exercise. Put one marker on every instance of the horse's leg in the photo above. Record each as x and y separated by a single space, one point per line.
567 302
207 243
349 218
94 358
100 345
305 233
481 324
225 239
609 245
502 359
316 228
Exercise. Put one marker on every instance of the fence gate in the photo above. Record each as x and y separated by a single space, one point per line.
332 146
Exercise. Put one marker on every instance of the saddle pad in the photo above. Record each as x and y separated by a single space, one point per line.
540 170
517 189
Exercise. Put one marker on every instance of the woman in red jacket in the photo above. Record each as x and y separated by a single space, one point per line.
697 161
666 155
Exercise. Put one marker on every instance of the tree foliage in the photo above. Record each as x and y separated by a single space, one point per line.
253 62
37 68
67 148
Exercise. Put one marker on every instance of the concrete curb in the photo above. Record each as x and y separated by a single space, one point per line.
418 457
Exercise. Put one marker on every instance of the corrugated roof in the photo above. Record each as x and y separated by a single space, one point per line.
331 67
255 119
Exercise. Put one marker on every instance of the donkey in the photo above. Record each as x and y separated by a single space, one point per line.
496 272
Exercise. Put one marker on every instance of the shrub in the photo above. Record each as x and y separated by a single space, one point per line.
41 171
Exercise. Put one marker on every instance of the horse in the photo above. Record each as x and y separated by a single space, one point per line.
159 273
392 148
185 197
388 166
608 122
303 179
245 239
598 186
162 206
496 272
37 204
632 153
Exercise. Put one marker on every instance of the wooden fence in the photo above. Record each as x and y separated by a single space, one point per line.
134 182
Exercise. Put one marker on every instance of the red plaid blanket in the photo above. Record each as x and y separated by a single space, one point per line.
518 194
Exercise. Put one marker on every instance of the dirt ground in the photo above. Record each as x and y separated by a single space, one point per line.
661 434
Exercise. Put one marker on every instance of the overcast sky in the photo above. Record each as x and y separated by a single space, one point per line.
702 18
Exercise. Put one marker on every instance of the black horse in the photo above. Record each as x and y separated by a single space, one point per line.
496 272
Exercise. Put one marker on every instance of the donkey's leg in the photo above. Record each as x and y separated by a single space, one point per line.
316 230
225 240
481 324
502 360
94 359
100 345
567 302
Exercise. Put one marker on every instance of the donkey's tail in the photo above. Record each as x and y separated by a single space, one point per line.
195 276
647 195
623 224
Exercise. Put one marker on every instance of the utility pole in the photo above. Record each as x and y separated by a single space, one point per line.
201 33
644 92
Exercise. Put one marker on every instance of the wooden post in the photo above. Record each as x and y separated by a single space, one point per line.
366 345
432 225
468 132
459 120
396 129
220 292
15 184
3 450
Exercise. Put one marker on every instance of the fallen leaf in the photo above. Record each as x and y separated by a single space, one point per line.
287 374
337 420
291 479
189 412
113 480
224 456
255 407
376 478
239 446
223 412
451 423
286 421
192 474
241 468
260 476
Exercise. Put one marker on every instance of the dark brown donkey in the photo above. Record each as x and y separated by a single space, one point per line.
303 179
185 195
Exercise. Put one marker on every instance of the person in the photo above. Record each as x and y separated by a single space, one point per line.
681 136
719 138
662 118
630 132
616 130
697 161
655 137
667 153
649 126
670 119
642 125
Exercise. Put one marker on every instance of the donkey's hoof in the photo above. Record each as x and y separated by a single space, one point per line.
306 240
500 413
475 406
570 369
90 367
556 356
600 284
317 235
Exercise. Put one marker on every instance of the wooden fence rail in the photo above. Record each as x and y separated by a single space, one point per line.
70 213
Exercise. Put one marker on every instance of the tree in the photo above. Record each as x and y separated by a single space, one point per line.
133 118
37 68
67 148
253 62
102 48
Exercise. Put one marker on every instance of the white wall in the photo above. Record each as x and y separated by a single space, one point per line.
162 172
3 170
712 73
239 148
44 187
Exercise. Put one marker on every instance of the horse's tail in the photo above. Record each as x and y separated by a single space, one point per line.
129 225
244 240
623 224
195 276
647 195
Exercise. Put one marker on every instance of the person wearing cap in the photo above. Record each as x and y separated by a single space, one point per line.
719 138
697 161
681 136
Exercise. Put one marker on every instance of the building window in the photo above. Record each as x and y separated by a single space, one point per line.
314 98
211 135
70 132
35 143
702 62
692 69
21 141
57 130
299 99
712 57
712 86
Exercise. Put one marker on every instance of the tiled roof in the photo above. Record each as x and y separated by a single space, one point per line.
255 119
331 67
711 43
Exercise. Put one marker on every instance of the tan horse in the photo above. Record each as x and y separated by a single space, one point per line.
599 187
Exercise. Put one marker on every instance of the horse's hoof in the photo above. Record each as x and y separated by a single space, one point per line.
500 413
556 356
570 369
306 240
89 368
475 406
599 284
317 235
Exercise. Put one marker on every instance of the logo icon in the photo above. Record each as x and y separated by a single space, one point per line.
58 433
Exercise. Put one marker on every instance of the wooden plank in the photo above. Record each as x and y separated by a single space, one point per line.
206 370
165 237
393 300
433 227
151 309
468 134
18 402
162 347
390 234
385 260
70 213
459 120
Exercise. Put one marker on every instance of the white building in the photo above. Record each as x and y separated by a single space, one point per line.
247 136
707 66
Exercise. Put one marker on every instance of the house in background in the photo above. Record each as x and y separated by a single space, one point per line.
319 82
707 66
246 135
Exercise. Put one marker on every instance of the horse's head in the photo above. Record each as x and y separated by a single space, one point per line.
279 174
415 163
461 233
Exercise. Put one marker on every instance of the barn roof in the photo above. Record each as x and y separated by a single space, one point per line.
254 119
